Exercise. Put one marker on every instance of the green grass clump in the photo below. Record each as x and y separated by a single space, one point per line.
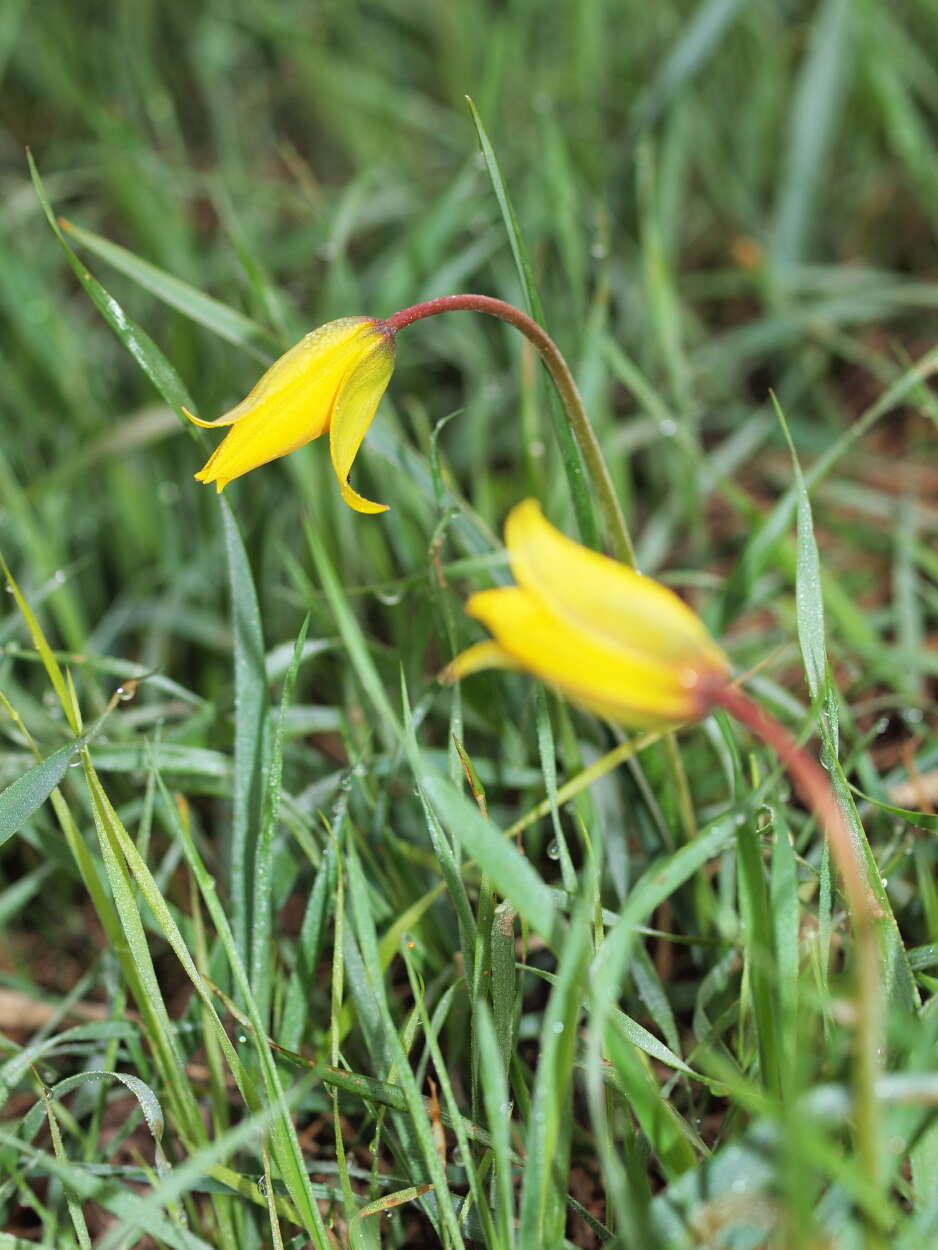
302 948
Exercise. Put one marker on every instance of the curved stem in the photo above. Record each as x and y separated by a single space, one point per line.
814 786
562 378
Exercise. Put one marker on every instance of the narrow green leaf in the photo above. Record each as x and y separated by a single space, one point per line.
760 954
146 353
250 681
809 604
262 913
221 319
27 794
811 128
547 1142
569 452
503 864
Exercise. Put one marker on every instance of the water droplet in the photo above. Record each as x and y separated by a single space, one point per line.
390 598
553 851
124 694
881 725
536 448
557 1026
885 881
9 589
242 1038
58 577
667 428
913 715
506 1108
598 251
74 763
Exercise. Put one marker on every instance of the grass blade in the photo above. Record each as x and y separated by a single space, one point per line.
250 681
222 320
569 452
146 353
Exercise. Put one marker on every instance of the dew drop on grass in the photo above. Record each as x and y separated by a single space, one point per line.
557 1026
390 598
667 428
553 851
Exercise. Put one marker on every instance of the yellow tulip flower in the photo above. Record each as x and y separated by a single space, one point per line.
613 641
333 379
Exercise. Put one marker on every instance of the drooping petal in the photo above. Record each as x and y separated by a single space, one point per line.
633 690
292 403
355 407
607 601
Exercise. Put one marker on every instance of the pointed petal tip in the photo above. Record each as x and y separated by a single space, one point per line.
358 503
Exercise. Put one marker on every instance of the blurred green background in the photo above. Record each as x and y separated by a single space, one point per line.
720 199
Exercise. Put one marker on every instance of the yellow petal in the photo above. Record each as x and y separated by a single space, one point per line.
474 659
634 691
293 402
607 601
355 407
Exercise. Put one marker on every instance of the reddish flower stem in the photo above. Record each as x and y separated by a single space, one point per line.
562 378
814 786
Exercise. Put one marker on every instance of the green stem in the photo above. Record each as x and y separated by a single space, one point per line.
616 528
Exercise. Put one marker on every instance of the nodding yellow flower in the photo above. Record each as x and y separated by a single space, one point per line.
613 641
333 379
